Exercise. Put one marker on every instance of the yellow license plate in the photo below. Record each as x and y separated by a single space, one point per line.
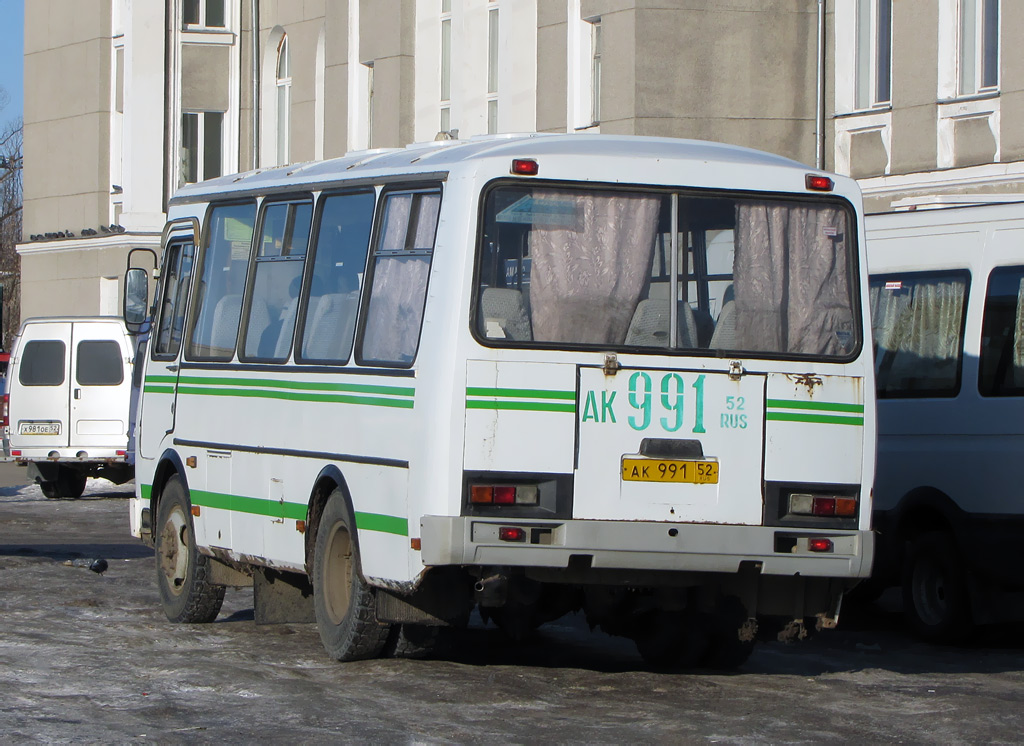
669 470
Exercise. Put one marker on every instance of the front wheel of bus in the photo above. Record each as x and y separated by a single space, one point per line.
936 599
182 573
345 604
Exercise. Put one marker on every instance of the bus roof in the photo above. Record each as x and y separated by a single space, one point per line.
442 157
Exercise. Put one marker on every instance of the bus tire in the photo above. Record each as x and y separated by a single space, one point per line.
182 573
936 598
344 603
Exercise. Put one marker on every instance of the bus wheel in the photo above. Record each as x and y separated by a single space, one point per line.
345 605
936 601
181 571
671 640
732 634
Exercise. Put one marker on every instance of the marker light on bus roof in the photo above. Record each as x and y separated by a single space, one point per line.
525 166
819 183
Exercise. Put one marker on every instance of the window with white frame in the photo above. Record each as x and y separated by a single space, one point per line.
873 53
202 146
446 65
977 46
203 14
492 69
284 102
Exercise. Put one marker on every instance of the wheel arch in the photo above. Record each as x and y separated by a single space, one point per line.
329 479
919 511
169 465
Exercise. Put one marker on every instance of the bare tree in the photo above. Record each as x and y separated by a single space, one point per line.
10 228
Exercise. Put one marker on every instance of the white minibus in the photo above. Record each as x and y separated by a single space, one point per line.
530 375
948 324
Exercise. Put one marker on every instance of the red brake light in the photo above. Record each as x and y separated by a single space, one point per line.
525 167
819 183
4 411
512 533
820 545
824 506
504 495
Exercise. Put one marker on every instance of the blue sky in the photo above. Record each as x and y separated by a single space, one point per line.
12 51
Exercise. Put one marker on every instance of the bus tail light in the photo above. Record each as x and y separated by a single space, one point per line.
512 533
820 545
819 183
5 408
824 506
525 167
503 494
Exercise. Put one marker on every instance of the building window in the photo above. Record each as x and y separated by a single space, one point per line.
977 46
874 53
202 146
446 65
203 14
284 101
596 48
492 71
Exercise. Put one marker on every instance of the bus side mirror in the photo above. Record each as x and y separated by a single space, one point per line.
136 298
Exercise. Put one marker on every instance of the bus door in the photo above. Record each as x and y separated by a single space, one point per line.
160 386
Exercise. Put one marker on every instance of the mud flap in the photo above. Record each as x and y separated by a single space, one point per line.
282 598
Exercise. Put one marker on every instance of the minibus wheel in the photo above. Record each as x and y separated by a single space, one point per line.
70 483
182 573
936 601
345 605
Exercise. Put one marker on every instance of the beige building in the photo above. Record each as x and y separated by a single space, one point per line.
922 100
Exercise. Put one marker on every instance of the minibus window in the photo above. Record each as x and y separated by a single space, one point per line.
177 277
399 287
222 282
42 363
280 254
99 363
1001 370
339 261
595 268
917 325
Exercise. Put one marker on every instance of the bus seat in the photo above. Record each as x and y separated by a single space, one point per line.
650 324
504 307
329 335
284 335
725 330
224 328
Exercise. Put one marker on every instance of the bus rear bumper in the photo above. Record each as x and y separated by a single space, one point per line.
638 545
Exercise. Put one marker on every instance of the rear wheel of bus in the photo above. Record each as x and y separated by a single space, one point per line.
345 604
183 574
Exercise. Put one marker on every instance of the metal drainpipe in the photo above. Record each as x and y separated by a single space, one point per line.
820 115
255 83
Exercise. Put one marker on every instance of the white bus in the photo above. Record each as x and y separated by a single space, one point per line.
530 374
946 291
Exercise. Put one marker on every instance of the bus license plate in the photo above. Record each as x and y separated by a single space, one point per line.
39 428
669 470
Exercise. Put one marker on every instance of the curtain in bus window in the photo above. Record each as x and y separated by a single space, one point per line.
791 283
588 277
1018 338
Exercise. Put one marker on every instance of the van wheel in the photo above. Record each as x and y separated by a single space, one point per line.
936 601
345 605
49 489
70 483
182 573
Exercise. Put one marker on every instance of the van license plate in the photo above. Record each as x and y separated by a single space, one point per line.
669 470
39 428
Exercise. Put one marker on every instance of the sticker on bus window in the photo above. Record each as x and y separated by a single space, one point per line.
542 212
893 285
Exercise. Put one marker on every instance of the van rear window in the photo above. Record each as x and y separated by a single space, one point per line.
99 363
42 363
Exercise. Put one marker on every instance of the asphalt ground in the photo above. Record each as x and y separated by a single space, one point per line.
90 658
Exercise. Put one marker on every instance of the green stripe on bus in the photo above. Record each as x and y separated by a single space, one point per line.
358 388
821 419
816 405
529 406
297 396
388 524
521 393
158 390
146 491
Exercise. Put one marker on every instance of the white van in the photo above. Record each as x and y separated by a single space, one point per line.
68 390
947 306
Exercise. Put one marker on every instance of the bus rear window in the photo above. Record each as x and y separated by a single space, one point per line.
632 269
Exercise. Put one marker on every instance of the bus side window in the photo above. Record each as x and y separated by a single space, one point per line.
223 265
401 265
277 278
917 323
1001 370
339 262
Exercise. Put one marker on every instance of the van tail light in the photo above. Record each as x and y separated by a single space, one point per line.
5 409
